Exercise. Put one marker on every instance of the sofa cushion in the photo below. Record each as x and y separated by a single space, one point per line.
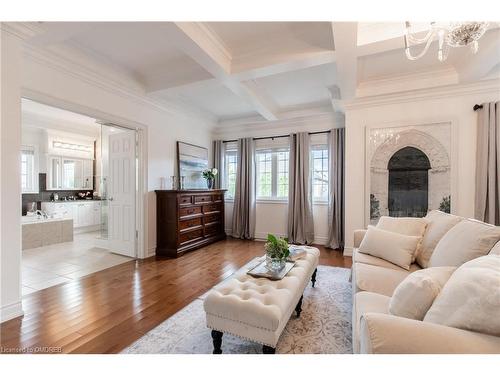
467 240
393 247
416 293
381 280
366 302
471 298
438 223
496 249
358 257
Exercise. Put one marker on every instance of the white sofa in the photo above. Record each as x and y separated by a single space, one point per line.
375 330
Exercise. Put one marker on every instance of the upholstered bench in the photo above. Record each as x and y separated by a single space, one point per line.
258 309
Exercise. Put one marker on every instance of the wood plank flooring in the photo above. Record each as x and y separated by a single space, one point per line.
108 310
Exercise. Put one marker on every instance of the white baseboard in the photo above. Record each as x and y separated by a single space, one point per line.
151 252
11 311
348 251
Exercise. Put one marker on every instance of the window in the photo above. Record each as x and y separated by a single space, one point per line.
230 172
27 169
319 156
272 174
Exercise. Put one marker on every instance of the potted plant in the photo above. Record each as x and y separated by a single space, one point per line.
276 252
209 175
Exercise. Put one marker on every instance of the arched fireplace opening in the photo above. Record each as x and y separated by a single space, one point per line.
408 183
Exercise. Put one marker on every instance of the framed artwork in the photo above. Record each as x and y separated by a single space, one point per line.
192 160
409 170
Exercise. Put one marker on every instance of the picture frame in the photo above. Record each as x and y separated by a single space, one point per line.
192 160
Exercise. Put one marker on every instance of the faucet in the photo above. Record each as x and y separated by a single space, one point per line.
42 214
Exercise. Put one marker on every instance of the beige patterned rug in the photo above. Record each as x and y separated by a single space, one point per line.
324 325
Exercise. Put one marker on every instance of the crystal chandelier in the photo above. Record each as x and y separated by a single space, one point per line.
454 34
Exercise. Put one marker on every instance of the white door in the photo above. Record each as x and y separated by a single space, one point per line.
121 193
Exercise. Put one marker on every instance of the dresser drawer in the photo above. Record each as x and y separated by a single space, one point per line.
212 218
185 224
202 198
212 207
185 200
212 230
190 236
188 211
218 197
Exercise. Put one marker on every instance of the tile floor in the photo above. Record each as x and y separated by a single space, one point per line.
47 266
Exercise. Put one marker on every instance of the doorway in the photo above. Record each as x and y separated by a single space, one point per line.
80 192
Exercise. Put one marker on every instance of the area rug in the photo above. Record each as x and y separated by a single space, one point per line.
324 325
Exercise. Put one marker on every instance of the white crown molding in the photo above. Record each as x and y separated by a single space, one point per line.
68 60
486 86
215 39
446 75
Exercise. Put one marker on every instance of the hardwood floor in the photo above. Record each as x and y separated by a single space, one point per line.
108 310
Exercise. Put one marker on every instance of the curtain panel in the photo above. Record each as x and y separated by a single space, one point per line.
336 152
218 147
244 200
300 218
487 200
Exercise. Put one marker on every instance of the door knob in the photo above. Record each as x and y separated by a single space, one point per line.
110 199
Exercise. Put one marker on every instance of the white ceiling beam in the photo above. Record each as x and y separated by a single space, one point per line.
287 63
199 43
345 38
479 65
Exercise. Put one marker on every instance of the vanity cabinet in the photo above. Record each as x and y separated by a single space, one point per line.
84 213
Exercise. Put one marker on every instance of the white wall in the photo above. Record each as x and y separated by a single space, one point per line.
69 87
10 182
272 217
451 104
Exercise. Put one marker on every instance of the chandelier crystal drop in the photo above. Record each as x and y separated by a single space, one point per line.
448 35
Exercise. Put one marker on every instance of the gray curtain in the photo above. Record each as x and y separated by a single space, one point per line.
300 218
336 142
219 163
487 203
244 198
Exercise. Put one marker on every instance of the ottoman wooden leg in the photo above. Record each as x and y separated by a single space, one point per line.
268 349
217 339
313 277
298 308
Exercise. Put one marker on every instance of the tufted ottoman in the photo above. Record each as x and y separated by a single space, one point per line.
258 309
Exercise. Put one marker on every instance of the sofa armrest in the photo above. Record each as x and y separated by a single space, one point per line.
389 334
359 234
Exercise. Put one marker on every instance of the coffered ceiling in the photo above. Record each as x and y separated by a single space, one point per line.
260 70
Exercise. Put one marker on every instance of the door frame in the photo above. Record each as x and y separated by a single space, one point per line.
141 222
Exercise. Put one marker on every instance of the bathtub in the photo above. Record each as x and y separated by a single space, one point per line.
38 231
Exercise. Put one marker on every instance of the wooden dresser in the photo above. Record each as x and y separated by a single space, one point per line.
188 219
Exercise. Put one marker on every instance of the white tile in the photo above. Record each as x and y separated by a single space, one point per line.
27 290
49 283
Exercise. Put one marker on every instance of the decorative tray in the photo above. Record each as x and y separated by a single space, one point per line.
260 270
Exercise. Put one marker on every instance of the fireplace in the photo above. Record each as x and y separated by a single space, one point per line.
408 183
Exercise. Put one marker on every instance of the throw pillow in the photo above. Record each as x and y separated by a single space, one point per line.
409 226
415 295
438 224
471 298
467 240
393 247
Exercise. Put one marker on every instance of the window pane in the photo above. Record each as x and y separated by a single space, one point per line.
264 174
230 173
282 185
320 173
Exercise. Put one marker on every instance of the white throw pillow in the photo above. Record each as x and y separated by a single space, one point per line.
471 298
409 226
393 247
415 295
467 240
438 224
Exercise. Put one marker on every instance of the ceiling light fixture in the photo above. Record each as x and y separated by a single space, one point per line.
452 34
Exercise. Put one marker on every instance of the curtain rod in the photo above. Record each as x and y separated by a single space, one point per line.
477 106
277 136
